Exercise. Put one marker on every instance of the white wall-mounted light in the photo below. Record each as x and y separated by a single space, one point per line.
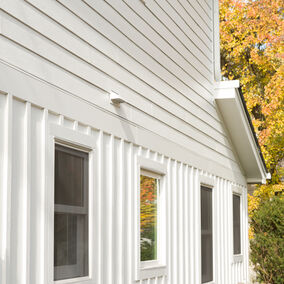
115 98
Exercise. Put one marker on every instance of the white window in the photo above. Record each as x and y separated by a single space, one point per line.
207 221
206 235
69 206
237 223
70 213
151 241
149 196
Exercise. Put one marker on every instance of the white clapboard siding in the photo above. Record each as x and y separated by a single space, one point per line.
145 40
102 61
11 29
184 33
211 142
113 35
23 170
204 33
117 30
56 37
163 39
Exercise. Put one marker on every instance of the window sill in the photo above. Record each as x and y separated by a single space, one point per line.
237 258
85 280
152 271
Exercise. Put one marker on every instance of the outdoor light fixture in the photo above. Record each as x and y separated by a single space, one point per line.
115 98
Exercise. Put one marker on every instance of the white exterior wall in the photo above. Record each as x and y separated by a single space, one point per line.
25 202
58 62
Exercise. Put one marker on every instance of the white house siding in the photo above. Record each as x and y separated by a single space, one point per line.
161 67
59 60
24 201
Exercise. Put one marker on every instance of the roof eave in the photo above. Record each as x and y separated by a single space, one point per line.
231 103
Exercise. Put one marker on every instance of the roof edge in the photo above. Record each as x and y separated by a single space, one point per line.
240 92
231 92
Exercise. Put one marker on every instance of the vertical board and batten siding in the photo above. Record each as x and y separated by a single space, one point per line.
22 171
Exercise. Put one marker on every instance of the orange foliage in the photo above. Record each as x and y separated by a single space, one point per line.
252 51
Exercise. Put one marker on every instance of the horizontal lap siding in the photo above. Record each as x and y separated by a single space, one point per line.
114 206
158 56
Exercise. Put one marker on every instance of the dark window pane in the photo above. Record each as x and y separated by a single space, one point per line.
148 218
65 239
69 176
71 221
206 235
237 223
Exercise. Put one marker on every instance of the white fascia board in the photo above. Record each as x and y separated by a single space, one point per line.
225 85
233 111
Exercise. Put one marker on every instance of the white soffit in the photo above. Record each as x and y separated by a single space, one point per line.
233 109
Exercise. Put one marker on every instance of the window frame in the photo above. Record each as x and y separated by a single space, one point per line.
73 209
209 182
237 257
152 268
57 134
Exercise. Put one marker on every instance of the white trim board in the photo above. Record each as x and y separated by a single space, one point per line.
232 109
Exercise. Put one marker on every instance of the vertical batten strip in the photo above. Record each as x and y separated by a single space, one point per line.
174 222
227 224
191 226
225 231
7 187
218 232
222 236
3 99
230 230
110 197
245 234
169 220
215 228
130 212
43 200
186 240
197 230
180 220
26 195
99 174
134 199
120 215
92 215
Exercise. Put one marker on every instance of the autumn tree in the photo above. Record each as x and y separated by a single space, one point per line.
251 33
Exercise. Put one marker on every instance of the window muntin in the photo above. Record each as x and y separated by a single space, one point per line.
149 191
206 235
237 223
70 213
